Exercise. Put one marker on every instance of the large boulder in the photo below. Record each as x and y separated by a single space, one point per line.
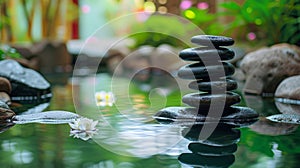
267 67
289 88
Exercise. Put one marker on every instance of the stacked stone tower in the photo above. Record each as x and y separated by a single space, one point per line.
210 75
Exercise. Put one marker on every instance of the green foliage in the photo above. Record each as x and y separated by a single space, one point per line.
160 29
274 21
9 53
206 21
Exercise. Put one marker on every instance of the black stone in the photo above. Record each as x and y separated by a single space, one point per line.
205 99
26 84
199 71
206 54
204 149
234 116
209 40
196 160
208 86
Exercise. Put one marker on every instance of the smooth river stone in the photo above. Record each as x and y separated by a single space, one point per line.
205 99
204 149
208 86
206 54
199 71
209 40
234 116
196 160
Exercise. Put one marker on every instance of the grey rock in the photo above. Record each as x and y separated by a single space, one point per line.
27 84
289 88
267 67
13 71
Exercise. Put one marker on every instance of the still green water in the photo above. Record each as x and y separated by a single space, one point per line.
128 137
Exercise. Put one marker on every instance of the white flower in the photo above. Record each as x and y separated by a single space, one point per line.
83 128
104 98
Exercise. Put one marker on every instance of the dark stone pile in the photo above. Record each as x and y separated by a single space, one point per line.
211 76
216 150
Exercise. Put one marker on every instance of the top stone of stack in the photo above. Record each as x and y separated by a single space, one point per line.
209 40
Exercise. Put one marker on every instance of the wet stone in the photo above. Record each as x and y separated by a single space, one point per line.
209 40
14 72
234 115
199 71
26 84
205 99
208 86
204 149
206 54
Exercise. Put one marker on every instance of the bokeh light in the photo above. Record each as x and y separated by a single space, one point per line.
85 8
258 21
162 9
162 1
202 5
251 36
189 14
149 7
185 4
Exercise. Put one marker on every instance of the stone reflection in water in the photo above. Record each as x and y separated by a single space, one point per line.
288 108
267 127
215 151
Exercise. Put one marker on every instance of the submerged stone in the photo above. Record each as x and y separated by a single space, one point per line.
209 40
208 86
206 99
200 71
204 149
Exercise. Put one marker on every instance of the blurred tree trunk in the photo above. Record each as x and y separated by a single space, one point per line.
6 30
